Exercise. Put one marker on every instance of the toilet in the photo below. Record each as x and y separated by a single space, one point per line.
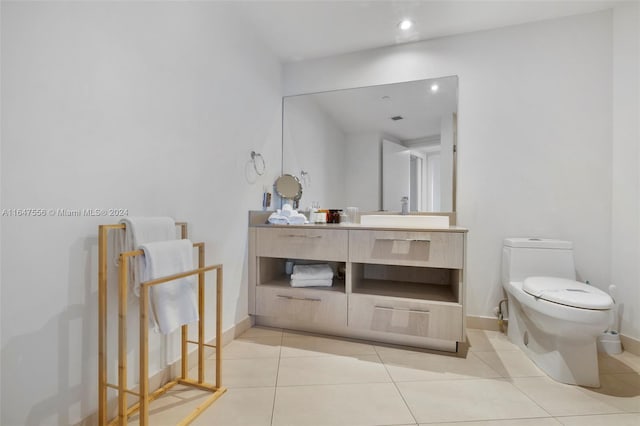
553 318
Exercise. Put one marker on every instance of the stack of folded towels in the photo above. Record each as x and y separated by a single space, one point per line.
287 216
319 275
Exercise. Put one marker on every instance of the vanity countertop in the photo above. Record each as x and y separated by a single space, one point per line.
359 226
259 219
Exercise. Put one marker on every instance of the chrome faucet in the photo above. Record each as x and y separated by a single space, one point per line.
405 205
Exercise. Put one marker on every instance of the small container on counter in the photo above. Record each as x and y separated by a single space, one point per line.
334 216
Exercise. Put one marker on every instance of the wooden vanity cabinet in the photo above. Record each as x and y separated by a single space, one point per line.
400 286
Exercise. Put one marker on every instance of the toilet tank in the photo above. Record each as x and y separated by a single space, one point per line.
526 257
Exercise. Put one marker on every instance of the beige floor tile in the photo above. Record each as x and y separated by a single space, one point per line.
560 399
632 379
602 420
352 404
415 366
626 362
294 345
510 363
617 390
326 381
259 331
467 400
394 350
486 341
331 370
173 406
240 407
543 421
253 347
250 372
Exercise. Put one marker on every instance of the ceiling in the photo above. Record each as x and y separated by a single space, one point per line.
304 29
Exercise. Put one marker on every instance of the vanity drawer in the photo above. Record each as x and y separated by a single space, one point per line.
296 243
414 318
320 307
432 249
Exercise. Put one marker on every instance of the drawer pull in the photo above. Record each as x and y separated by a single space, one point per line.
411 240
418 311
303 236
308 299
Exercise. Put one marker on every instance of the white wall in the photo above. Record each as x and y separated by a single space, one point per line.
534 135
362 171
150 107
625 241
315 143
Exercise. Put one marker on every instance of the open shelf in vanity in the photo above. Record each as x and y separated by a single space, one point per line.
402 286
272 272
409 282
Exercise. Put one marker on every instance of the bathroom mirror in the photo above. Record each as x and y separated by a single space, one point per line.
288 186
371 146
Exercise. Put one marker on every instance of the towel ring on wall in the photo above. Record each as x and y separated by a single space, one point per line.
259 170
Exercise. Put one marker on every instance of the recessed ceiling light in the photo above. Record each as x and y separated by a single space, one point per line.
405 24
434 87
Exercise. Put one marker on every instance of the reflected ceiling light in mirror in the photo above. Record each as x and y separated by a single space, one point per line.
434 87
405 24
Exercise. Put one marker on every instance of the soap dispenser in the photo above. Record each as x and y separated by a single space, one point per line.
405 205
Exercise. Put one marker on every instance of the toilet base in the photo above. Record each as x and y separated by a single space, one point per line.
568 360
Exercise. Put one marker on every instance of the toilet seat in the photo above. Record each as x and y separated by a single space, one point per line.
567 292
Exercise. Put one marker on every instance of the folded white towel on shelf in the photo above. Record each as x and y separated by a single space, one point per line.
292 218
173 303
312 283
287 210
297 219
141 230
277 219
320 271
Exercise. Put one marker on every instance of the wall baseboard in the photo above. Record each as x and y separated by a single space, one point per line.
629 344
172 371
483 323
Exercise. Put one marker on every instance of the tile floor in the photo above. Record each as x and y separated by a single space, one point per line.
278 378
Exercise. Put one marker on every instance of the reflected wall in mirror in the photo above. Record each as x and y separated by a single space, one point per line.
369 147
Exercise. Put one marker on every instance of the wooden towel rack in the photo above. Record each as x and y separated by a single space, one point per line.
144 397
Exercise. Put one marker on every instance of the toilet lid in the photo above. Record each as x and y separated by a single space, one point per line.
567 292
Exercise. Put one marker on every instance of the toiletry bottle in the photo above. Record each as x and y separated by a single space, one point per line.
405 205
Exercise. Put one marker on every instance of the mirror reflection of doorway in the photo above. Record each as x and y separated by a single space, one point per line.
395 175
414 173
433 182
424 184
416 183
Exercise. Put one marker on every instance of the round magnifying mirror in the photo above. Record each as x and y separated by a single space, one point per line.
288 186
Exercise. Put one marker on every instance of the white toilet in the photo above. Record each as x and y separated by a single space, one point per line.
554 319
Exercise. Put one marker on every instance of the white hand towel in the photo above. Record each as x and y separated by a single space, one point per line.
174 302
312 272
297 219
277 219
312 283
141 230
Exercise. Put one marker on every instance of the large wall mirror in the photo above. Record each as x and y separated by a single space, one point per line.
370 147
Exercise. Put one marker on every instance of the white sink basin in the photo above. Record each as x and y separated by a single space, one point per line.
405 221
